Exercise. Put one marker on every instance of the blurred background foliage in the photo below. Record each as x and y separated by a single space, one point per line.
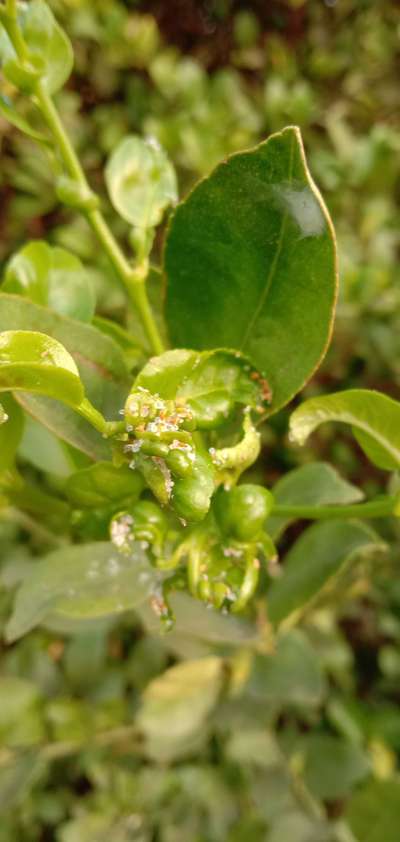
102 736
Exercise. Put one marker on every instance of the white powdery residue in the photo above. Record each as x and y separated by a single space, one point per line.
121 531
232 552
169 483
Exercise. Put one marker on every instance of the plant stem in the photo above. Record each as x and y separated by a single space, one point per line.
96 419
125 735
132 277
9 20
382 507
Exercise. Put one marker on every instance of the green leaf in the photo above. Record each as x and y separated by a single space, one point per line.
374 812
332 765
177 705
292 675
374 418
11 430
250 264
41 448
100 361
320 553
34 362
82 582
9 112
46 42
53 277
66 425
141 181
131 348
198 623
101 366
315 484
209 383
21 720
17 777
103 484
299 826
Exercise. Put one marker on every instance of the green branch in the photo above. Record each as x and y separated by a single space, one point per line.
132 277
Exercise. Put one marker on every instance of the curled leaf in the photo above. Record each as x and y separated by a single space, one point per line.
34 362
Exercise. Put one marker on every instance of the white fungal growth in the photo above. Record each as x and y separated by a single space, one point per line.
121 531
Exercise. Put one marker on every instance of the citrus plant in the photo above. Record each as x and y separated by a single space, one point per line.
160 425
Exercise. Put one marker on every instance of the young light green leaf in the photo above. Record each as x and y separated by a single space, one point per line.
100 361
10 113
141 181
103 484
53 277
11 430
250 263
46 42
209 383
316 558
374 418
102 368
81 582
315 484
34 362
177 705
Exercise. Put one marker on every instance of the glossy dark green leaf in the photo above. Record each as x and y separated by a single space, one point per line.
176 707
103 484
315 484
101 366
11 430
374 418
141 181
53 277
46 41
209 383
82 582
250 264
35 362
315 560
